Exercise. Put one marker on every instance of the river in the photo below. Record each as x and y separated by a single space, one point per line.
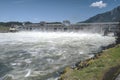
39 55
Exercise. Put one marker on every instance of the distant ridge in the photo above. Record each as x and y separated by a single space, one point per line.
110 16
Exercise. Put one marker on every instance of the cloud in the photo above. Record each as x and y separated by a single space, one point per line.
99 4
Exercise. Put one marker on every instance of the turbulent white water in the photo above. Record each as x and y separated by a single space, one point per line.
36 55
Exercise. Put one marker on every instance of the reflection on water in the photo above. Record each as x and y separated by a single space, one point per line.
37 55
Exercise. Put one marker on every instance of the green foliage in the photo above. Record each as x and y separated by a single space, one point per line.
8 24
4 29
97 69
28 22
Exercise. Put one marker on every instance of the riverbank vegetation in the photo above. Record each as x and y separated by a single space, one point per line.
4 26
4 29
104 66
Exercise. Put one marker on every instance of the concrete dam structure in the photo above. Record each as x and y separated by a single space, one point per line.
105 28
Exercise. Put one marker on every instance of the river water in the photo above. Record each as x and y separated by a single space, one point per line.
39 55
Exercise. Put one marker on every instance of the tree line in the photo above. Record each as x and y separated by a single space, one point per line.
9 24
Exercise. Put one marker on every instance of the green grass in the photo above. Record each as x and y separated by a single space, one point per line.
97 68
4 29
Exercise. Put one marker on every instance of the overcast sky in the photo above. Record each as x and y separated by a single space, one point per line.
53 10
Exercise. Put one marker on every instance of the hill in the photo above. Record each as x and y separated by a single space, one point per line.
110 16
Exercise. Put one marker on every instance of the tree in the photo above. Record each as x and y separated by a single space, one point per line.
118 34
9 24
27 22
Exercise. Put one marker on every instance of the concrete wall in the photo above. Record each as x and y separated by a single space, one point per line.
88 27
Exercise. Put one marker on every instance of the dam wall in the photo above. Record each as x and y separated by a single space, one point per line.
87 27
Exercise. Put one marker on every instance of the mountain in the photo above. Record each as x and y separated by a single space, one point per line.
110 16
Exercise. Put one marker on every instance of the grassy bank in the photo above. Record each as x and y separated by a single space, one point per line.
104 66
4 29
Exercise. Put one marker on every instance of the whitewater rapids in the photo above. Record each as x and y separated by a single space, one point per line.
36 55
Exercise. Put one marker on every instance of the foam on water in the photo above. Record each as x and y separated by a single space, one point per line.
44 53
28 73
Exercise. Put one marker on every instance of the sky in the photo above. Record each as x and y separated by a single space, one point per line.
53 10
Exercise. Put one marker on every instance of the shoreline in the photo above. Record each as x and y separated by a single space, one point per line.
110 74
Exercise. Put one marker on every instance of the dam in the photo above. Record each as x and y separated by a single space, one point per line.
105 27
